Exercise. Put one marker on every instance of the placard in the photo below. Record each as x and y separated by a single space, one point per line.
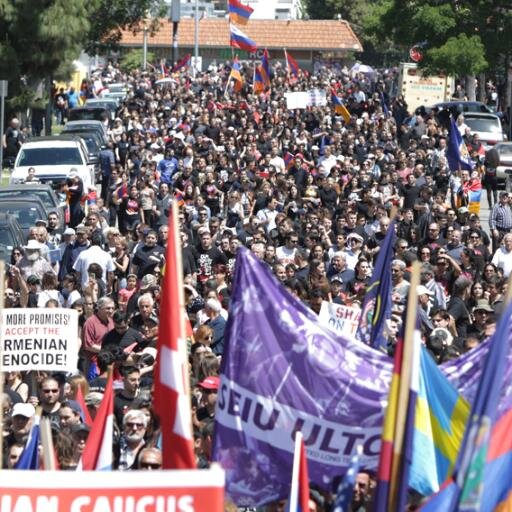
113 491
341 319
38 339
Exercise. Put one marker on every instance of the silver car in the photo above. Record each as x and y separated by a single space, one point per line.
487 126
504 169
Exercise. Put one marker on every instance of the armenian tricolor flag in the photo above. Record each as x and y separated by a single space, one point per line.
182 63
238 39
288 160
265 68
238 12
258 84
339 107
291 64
236 75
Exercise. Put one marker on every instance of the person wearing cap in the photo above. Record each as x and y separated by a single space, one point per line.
73 249
79 434
209 389
32 263
69 414
424 296
22 415
482 313
149 257
355 243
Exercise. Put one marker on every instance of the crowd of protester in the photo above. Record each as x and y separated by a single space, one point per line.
309 193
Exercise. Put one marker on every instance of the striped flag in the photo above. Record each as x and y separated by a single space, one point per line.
172 402
238 12
339 107
237 39
182 63
291 64
258 84
97 454
265 68
288 160
398 433
299 492
236 75
29 458
86 417
346 488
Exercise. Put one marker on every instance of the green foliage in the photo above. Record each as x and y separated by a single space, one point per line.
134 59
109 17
463 54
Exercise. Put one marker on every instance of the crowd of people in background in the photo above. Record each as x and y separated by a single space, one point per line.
309 193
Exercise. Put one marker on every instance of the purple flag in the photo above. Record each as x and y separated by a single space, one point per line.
282 372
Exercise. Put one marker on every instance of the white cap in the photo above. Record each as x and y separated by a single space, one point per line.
21 409
423 290
68 231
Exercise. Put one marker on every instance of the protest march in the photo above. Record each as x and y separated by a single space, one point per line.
287 292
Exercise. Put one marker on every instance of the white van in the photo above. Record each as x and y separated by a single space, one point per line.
53 158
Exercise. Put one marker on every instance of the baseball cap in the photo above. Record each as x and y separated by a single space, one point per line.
422 290
356 236
210 383
148 281
21 409
68 231
93 398
80 427
483 305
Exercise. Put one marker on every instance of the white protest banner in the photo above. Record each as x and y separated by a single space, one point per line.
113 491
38 339
296 100
317 98
340 319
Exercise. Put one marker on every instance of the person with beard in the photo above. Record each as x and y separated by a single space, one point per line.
131 441
207 256
149 257
32 263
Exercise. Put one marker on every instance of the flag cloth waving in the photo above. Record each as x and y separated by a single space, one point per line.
239 40
265 68
29 458
377 301
236 75
97 454
171 399
481 480
339 107
346 488
457 153
291 64
182 63
238 12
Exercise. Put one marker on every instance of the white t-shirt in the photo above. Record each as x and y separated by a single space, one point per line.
503 259
97 255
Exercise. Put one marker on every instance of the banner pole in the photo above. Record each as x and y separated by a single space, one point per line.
294 488
2 301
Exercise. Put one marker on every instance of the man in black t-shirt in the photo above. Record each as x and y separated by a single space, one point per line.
148 257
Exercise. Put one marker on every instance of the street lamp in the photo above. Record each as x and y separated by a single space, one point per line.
145 46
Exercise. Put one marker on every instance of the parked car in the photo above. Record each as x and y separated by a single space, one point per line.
487 126
53 158
11 235
504 169
461 107
106 103
42 191
26 210
88 114
97 127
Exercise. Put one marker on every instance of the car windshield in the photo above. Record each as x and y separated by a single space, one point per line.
505 150
6 238
32 157
91 115
25 214
483 125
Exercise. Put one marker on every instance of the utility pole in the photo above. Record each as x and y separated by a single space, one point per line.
196 38
175 18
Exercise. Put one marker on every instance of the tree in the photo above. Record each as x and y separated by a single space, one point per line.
133 59
352 11
110 17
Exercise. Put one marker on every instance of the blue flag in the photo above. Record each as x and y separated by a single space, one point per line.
346 488
377 301
29 458
457 153
476 483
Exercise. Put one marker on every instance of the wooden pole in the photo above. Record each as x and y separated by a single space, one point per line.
47 443
405 376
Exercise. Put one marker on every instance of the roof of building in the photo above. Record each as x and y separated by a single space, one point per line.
293 34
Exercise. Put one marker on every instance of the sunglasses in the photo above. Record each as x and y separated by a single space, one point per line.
131 424
150 465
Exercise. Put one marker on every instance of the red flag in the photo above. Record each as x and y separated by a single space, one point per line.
97 454
171 399
80 399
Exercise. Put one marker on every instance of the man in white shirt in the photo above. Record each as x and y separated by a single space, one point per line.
503 256
286 253
95 254
277 161
327 161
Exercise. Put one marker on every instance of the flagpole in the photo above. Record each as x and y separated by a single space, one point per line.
47 443
405 379
196 38
182 345
294 489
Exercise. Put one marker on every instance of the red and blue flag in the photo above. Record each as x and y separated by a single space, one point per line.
299 492
182 63
238 39
265 68
238 12
291 64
